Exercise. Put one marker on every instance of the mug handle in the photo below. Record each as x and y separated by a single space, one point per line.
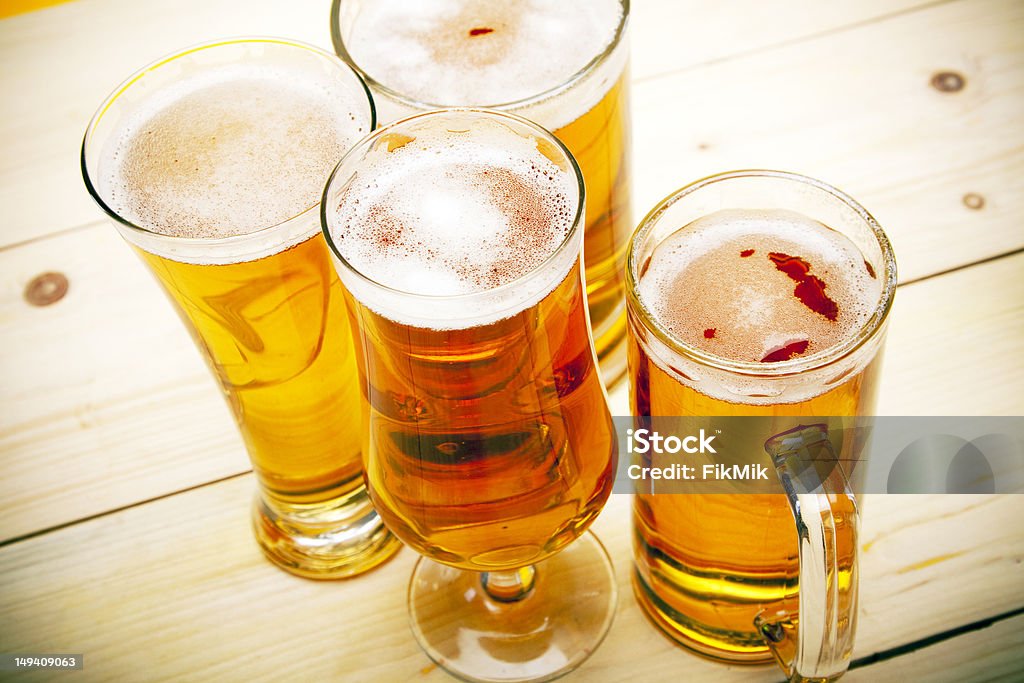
813 644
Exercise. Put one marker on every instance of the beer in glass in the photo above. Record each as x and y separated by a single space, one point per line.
489 446
754 293
211 163
561 64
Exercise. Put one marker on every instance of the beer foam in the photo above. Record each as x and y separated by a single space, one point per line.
759 285
443 212
480 52
230 151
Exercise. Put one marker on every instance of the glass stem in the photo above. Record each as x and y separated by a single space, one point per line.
510 586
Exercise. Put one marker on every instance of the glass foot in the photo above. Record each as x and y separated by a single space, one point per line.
506 635
333 540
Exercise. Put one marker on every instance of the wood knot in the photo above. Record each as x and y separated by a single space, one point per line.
974 201
948 81
46 289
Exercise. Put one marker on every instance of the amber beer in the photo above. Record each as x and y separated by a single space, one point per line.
488 442
563 65
211 162
750 294
474 462
273 330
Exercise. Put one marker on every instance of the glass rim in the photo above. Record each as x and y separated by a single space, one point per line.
140 73
512 105
349 159
850 344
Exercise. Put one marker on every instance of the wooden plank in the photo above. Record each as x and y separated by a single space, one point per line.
48 52
995 653
954 552
176 589
956 344
856 108
684 33
105 400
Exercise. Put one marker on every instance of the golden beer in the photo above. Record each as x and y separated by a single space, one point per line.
750 311
489 445
563 65
211 163
708 564
274 332
488 442
600 141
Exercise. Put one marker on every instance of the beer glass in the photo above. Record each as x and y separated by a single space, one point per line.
489 447
563 65
757 294
210 163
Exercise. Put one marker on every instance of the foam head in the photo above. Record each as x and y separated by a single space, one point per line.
452 204
479 52
759 286
230 148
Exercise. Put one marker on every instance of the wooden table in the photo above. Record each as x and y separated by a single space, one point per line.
124 528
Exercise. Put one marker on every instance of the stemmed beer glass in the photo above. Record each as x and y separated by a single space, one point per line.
488 443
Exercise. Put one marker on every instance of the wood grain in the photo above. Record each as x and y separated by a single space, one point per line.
177 589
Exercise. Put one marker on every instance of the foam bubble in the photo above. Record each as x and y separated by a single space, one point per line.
447 213
230 150
480 52
721 284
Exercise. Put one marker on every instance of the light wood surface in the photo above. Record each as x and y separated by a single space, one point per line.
124 529
856 109
176 589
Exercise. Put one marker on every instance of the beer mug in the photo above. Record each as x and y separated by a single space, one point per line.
561 64
210 163
758 294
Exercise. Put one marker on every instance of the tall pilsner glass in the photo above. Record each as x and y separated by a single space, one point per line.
562 64
211 162
489 445
762 295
